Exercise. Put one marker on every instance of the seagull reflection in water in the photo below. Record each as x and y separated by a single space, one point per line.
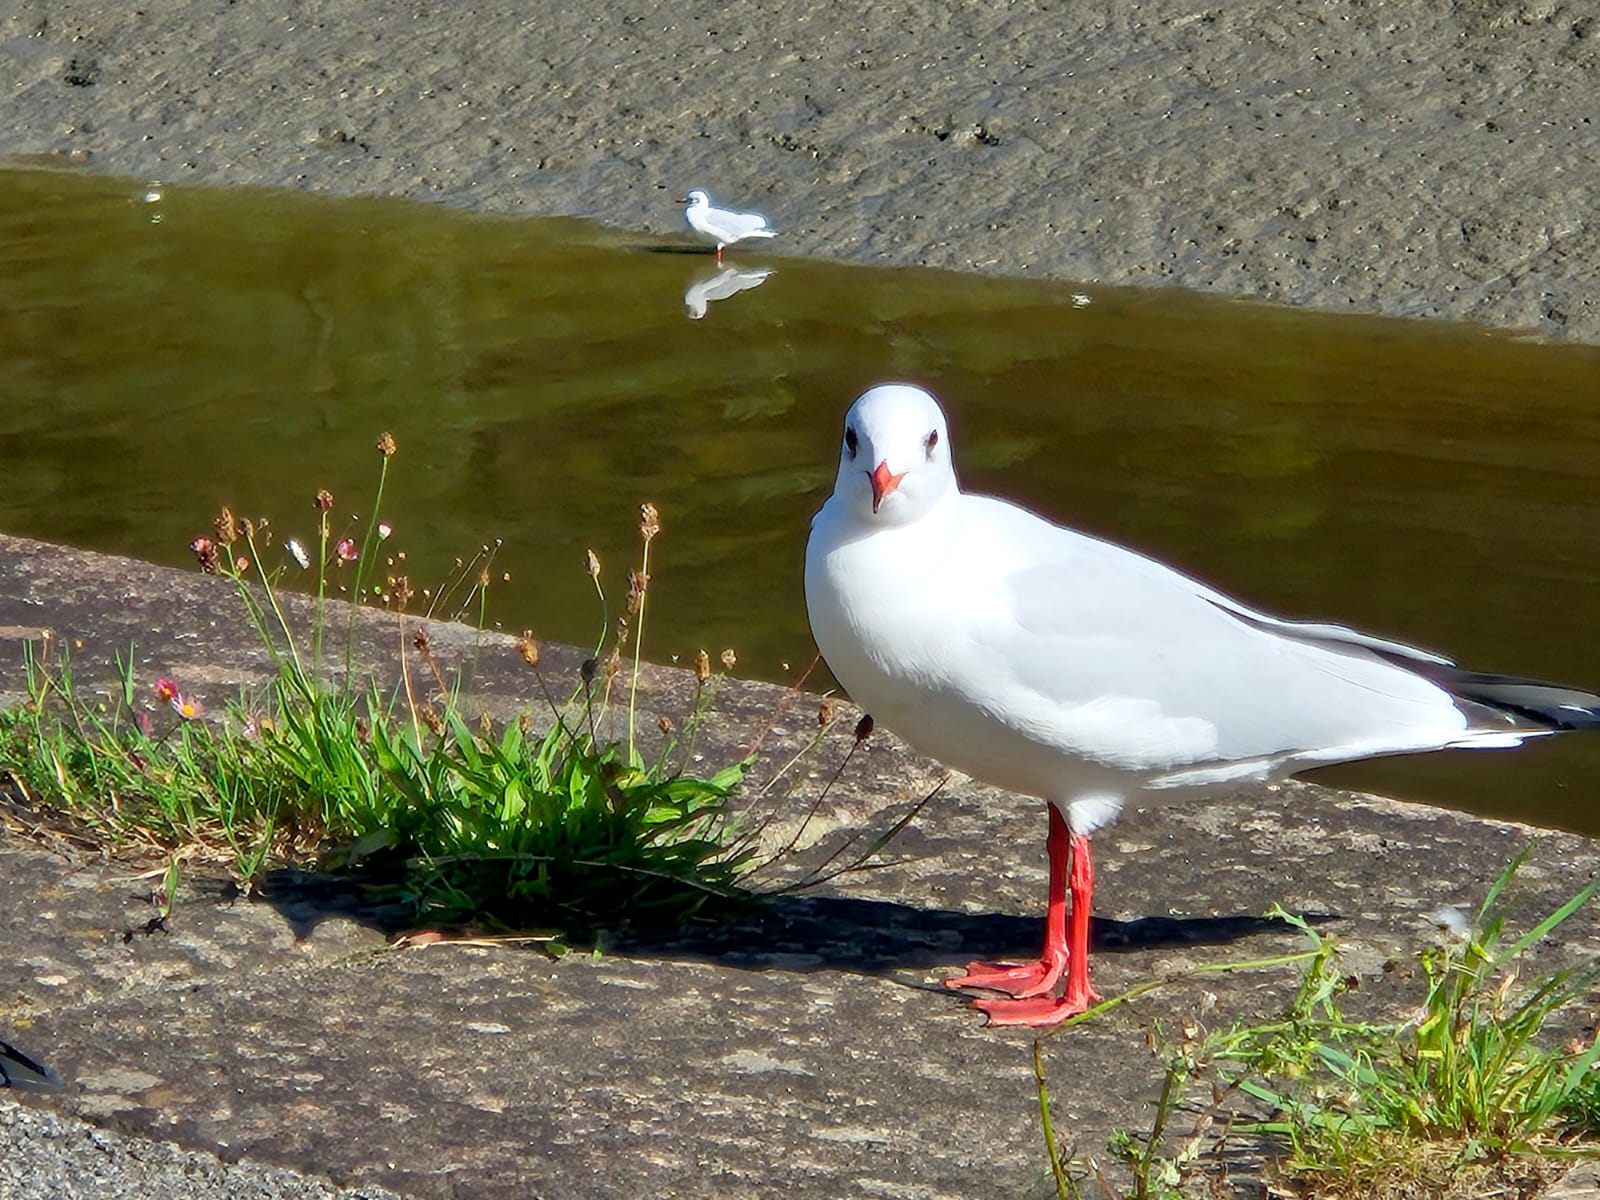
729 281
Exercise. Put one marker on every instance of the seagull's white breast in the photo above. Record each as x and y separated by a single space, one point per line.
913 622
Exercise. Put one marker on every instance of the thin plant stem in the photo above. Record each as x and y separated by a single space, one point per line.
322 591
1058 1169
368 542
300 680
638 642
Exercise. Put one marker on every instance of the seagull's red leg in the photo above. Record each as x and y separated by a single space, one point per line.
1034 979
1039 1011
1079 991
719 256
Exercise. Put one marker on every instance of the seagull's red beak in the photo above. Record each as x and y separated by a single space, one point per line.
883 483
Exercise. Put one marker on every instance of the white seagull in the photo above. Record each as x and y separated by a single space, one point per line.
721 225
1062 666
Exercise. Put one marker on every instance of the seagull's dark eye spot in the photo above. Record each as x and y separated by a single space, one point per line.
930 442
850 441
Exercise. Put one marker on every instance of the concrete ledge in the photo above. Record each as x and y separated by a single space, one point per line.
807 1052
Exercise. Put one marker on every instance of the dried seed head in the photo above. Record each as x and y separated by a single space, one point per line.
702 667
591 563
363 730
431 719
247 527
622 631
402 590
664 723
864 727
649 521
323 501
613 664
638 584
825 714
729 659
1453 921
483 578
529 649
386 446
227 527
205 551
422 642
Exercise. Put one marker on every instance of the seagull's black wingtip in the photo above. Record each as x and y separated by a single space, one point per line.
25 1074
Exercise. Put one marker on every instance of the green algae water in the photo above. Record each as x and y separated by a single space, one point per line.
164 351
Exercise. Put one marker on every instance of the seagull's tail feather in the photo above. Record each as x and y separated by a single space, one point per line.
1527 702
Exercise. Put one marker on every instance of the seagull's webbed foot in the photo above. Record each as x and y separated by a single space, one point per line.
1038 1012
1042 1011
1018 980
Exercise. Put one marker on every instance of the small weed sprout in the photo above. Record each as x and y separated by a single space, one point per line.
1461 1098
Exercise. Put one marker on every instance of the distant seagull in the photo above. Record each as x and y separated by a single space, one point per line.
19 1071
729 281
721 225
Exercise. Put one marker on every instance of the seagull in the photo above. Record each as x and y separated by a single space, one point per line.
1055 664
721 225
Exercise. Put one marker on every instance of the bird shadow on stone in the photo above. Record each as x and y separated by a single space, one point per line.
814 933
796 932
305 899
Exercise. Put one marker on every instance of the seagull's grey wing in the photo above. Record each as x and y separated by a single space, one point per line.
743 225
1093 624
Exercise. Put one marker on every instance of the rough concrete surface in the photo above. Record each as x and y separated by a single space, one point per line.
807 1051
1438 157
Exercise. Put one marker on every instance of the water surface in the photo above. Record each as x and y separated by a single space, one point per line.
167 350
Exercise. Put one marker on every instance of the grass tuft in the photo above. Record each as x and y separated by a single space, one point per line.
537 823
1466 1095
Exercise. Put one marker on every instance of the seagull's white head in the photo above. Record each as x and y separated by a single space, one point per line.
895 464
696 199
